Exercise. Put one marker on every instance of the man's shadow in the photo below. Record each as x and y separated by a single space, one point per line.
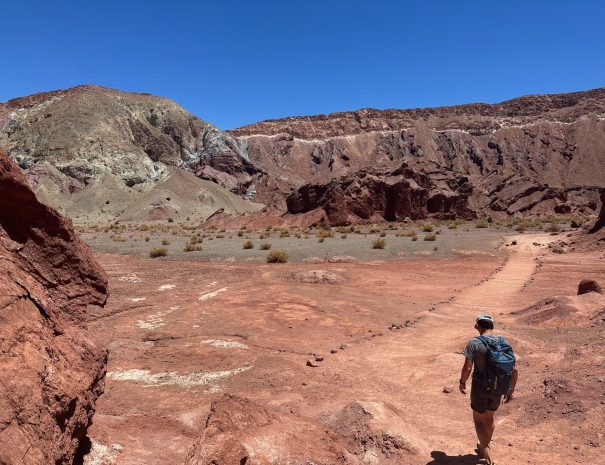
441 458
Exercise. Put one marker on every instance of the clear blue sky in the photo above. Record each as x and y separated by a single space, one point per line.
237 62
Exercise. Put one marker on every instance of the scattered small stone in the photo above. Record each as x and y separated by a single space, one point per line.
319 359
312 364
334 351
446 390
343 346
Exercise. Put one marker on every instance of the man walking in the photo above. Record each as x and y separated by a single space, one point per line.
494 376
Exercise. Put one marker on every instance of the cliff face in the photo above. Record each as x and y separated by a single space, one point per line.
88 132
377 195
51 369
532 155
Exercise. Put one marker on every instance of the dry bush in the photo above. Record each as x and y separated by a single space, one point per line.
379 244
248 245
158 252
481 224
427 227
383 234
277 256
165 242
192 247
553 227
265 246
430 237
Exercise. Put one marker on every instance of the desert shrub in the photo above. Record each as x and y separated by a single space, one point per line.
158 252
170 220
147 238
553 227
383 234
117 238
262 236
324 233
430 237
265 246
195 239
343 236
374 230
165 242
379 244
248 245
481 224
189 247
414 237
321 239
408 233
284 233
240 233
427 227
277 256
452 226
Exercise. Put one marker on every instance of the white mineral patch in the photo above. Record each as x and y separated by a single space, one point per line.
153 321
138 299
100 454
156 320
131 278
166 287
210 295
225 344
173 378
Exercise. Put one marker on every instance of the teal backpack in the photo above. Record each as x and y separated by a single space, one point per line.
499 365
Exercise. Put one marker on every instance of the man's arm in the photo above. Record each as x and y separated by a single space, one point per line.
464 375
513 382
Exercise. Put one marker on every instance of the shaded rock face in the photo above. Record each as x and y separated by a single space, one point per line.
88 132
531 155
381 195
599 225
51 369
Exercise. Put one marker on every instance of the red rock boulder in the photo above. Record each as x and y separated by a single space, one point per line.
589 285
51 369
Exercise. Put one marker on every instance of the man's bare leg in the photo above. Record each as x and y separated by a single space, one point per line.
484 426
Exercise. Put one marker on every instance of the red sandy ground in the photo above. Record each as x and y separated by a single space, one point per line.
399 375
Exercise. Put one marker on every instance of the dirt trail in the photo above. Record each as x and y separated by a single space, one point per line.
418 364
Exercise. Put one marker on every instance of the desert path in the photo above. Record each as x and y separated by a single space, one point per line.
408 370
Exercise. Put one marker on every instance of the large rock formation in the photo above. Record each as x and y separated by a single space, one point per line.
51 369
531 155
381 195
88 132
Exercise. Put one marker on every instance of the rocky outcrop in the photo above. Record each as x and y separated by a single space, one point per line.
599 226
533 155
51 369
88 132
382 195
240 431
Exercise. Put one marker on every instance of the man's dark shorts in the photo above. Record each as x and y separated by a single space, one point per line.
481 400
